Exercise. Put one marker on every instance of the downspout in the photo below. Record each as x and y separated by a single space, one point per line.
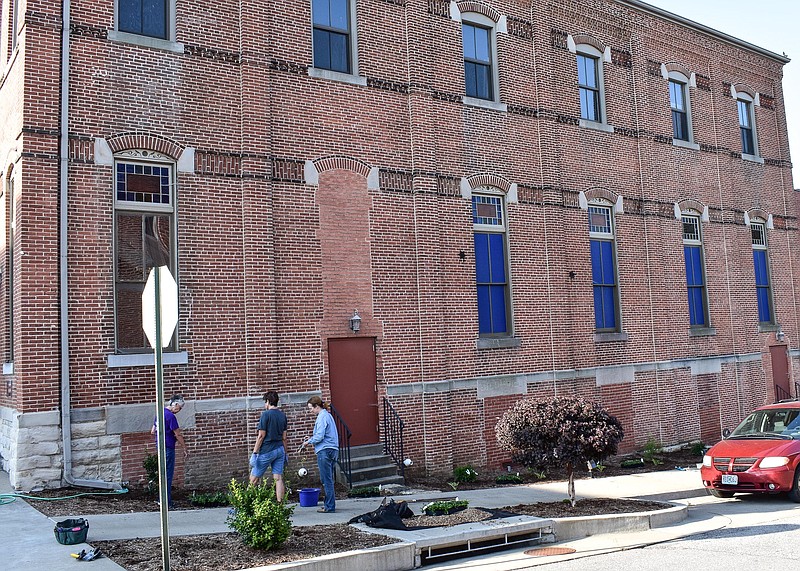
63 161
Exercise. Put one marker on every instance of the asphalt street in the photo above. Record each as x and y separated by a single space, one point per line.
751 533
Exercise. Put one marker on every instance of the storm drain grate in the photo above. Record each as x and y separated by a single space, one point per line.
548 551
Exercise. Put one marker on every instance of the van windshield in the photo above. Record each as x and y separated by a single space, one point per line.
774 423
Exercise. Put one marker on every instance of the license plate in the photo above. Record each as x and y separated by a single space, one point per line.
730 480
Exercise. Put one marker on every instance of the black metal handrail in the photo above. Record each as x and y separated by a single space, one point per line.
393 435
344 434
782 394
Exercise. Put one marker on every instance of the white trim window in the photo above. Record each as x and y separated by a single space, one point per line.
680 107
602 247
334 38
152 18
694 263
144 237
590 83
747 125
491 264
758 235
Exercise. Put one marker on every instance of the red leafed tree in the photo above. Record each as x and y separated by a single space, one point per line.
558 431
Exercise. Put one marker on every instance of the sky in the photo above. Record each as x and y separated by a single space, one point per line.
769 24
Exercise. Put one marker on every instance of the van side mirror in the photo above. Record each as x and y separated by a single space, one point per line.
726 432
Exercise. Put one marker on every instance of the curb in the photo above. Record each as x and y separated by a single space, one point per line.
403 556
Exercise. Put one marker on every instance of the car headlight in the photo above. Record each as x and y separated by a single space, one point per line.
774 462
707 461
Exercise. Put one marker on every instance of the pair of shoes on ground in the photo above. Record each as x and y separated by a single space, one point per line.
325 511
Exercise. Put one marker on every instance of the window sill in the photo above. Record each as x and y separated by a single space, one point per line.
337 76
595 126
768 327
147 359
485 104
498 342
8 368
752 159
610 337
685 144
145 41
702 332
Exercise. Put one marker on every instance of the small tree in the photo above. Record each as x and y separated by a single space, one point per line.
260 519
559 431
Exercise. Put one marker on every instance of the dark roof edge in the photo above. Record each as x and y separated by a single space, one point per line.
661 13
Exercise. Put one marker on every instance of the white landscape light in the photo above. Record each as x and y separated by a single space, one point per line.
302 472
407 462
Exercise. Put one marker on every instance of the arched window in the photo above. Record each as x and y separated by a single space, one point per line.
491 263
604 266
144 237
695 269
758 234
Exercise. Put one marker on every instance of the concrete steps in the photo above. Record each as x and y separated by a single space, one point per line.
371 467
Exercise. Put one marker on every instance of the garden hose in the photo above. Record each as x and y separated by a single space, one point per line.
8 498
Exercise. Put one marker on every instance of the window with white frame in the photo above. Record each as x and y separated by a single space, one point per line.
333 35
13 28
680 107
478 37
590 83
604 271
491 265
144 237
145 17
758 234
747 125
695 270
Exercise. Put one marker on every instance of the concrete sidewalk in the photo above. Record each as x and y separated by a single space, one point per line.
30 534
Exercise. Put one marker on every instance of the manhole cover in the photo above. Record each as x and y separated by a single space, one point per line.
548 551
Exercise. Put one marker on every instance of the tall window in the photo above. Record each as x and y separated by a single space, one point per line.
695 271
491 273
604 273
761 265
589 87
332 35
478 76
144 17
680 111
746 126
143 238
13 26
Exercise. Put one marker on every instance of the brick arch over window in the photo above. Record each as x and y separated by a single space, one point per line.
479 8
341 162
691 204
489 179
679 68
586 39
149 141
744 88
598 193
757 213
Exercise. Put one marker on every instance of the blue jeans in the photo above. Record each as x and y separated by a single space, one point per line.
326 461
170 472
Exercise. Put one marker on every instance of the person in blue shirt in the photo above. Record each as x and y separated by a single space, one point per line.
326 444
172 435
270 448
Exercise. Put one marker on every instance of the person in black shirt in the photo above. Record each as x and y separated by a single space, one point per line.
270 448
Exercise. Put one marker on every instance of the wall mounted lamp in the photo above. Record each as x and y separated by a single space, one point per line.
780 335
355 322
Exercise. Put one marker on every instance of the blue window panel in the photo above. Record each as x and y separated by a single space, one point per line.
482 44
144 17
340 57
484 309
604 282
697 310
760 264
497 257
321 10
339 16
587 71
482 266
764 311
694 265
498 293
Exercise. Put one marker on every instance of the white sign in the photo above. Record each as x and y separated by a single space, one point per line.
168 294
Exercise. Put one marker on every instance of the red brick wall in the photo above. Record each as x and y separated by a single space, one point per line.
270 267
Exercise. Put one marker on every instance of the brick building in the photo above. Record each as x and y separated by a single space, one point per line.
518 198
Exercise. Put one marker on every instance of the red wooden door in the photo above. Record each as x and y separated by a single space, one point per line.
780 372
353 379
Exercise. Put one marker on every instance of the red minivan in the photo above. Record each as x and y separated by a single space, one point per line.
761 455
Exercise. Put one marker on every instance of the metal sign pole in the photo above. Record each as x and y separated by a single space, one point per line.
162 446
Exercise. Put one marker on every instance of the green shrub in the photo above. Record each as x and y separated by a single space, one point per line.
698 448
445 507
258 517
463 474
651 449
364 492
508 479
151 469
210 499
